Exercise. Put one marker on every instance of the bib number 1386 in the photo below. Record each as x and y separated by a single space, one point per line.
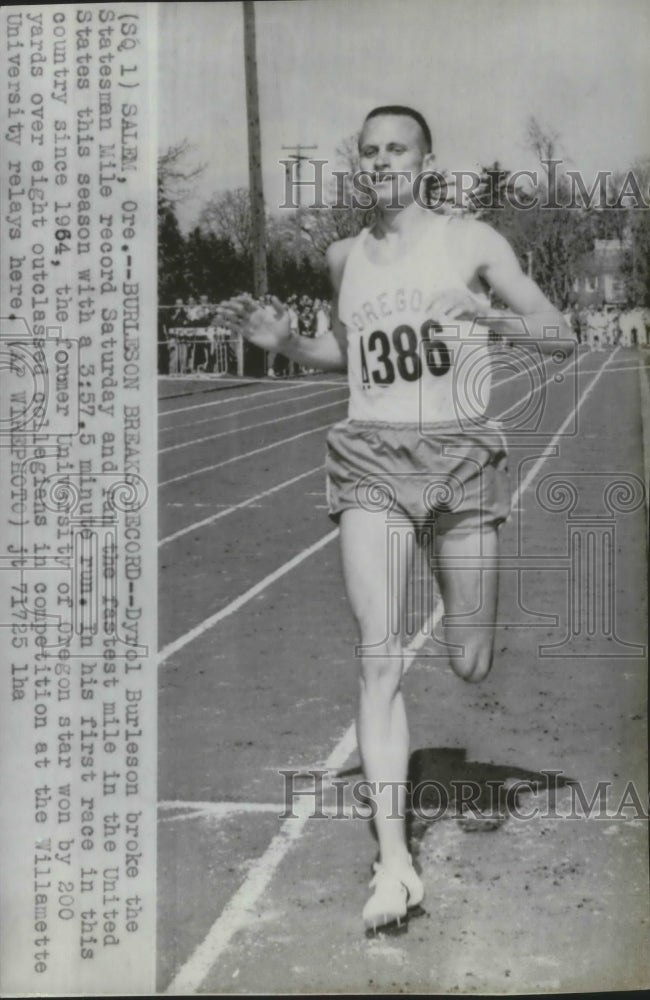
399 354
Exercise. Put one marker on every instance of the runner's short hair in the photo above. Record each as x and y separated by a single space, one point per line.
402 109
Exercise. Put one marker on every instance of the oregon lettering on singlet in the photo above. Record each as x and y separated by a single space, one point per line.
404 365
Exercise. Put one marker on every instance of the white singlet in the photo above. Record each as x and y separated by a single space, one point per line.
403 365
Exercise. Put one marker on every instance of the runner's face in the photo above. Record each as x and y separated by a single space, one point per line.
391 143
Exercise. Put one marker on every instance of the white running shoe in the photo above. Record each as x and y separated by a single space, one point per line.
396 889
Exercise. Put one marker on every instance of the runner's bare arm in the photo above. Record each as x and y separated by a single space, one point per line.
328 351
530 313
268 326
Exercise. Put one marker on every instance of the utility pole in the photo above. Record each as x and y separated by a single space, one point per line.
297 156
258 221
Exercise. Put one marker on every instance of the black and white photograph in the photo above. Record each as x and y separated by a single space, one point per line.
401 495
325 446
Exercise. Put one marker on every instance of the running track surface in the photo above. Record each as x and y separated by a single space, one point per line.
257 676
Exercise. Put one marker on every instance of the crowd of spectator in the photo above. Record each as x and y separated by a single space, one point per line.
308 318
609 326
189 337
192 340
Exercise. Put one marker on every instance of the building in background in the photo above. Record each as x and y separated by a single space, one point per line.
601 280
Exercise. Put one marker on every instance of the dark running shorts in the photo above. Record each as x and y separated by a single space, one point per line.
430 475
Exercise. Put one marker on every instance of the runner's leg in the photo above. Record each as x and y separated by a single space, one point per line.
381 725
469 593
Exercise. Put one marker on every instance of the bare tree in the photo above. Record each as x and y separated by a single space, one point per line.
176 179
323 226
347 152
543 140
228 217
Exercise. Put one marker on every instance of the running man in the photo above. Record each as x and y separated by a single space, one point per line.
409 300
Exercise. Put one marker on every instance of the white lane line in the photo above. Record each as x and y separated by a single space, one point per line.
552 376
626 368
192 810
246 454
504 362
240 909
240 505
317 381
244 598
251 427
518 402
233 399
206 377
249 409
497 383
223 810
538 388
550 447
342 384
209 806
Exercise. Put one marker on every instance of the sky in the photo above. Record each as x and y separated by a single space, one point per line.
477 69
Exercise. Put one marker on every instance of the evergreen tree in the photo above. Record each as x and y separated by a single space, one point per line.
171 256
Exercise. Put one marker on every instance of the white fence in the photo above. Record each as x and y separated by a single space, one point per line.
192 350
188 344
